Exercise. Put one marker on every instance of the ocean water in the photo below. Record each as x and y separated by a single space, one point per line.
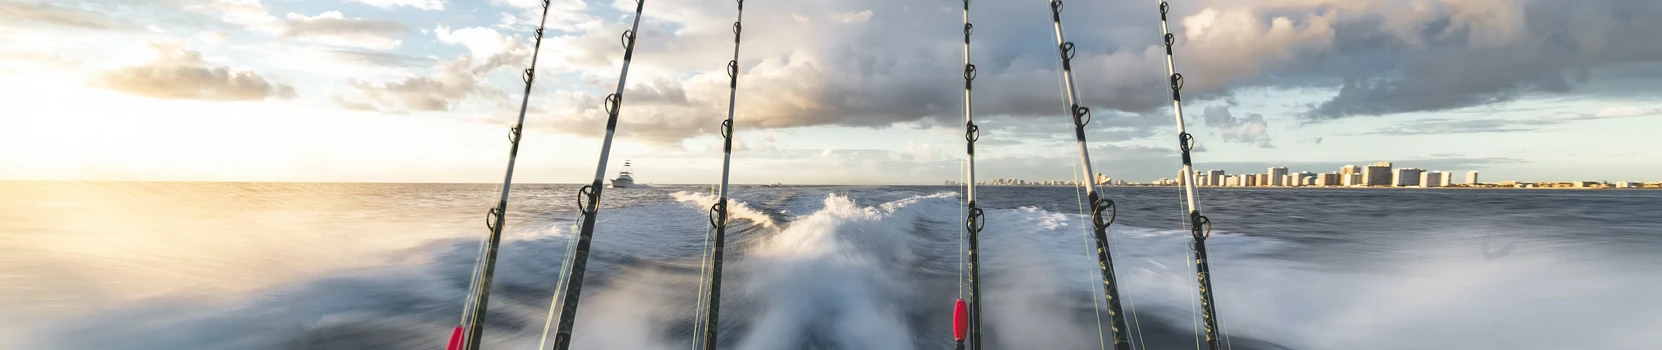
385 266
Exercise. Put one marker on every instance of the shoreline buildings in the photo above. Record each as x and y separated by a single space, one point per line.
1381 174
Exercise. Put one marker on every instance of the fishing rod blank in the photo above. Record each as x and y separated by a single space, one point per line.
588 200
1099 205
718 212
497 217
1185 142
975 220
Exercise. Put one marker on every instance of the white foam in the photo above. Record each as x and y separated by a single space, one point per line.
736 209
838 265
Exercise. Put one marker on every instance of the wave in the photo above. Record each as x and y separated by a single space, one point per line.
883 276
737 209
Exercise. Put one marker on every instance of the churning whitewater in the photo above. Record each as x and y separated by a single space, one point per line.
854 268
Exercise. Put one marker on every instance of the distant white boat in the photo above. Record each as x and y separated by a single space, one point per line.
623 179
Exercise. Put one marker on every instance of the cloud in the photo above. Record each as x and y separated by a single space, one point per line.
335 29
1251 130
213 38
1403 57
1454 126
852 17
770 142
46 13
180 73
329 28
417 4
450 83
482 43
1436 126
902 63
1623 112
796 71
922 150
376 58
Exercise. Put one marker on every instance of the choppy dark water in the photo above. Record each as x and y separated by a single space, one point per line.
376 266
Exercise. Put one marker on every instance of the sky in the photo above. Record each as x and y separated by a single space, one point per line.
830 91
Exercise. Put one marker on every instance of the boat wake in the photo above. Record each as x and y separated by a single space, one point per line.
884 276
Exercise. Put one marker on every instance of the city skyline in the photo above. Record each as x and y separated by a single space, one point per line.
1378 174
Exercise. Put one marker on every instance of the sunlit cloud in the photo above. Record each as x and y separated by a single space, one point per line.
180 73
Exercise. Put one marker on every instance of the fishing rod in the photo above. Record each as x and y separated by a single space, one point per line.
588 197
718 212
975 220
472 330
1099 205
1186 142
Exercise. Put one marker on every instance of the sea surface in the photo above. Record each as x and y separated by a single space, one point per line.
386 266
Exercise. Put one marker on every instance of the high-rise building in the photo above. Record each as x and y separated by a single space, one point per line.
1217 176
1355 179
1304 178
1278 177
1471 178
1252 180
1378 174
1406 177
1328 179
1232 181
1447 180
1345 175
1431 179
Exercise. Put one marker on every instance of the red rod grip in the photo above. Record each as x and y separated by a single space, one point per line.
456 339
960 321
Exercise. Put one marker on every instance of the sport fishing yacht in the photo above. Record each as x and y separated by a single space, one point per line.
623 180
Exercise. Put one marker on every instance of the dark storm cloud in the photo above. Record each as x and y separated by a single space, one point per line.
1475 53
815 64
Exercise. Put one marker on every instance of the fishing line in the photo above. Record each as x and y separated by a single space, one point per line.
559 287
1200 227
703 273
974 218
961 236
1103 211
468 335
588 197
473 280
716 242
1096 307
